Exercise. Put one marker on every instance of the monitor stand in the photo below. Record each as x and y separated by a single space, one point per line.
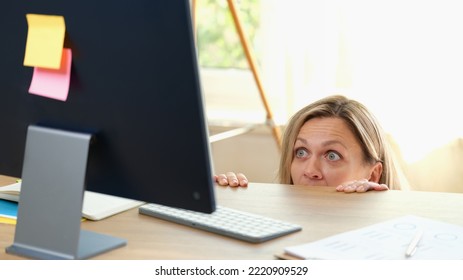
50 204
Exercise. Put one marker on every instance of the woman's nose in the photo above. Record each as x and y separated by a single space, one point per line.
312 169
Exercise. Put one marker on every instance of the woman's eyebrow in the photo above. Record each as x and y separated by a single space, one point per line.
325 143
301 140
333 142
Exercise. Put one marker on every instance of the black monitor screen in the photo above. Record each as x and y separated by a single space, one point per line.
134 84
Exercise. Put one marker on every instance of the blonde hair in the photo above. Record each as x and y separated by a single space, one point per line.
363 125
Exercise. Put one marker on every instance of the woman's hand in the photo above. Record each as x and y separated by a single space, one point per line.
361 186
231 179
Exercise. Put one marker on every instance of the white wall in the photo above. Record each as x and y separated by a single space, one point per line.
255 154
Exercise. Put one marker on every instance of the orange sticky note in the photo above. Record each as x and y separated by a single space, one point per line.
45 39
53 83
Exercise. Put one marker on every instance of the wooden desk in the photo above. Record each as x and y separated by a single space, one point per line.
320 210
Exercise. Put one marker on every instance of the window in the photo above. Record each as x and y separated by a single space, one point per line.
231 95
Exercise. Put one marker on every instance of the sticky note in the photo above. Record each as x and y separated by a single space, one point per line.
53 83
45 39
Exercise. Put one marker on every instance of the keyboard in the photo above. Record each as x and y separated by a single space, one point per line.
225 221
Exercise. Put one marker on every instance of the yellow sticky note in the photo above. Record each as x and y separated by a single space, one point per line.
45 39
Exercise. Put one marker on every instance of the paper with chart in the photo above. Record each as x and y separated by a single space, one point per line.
388 240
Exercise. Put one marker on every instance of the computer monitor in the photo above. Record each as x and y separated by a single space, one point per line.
134 89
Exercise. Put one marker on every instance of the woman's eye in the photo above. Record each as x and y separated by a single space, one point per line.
333 156
300 153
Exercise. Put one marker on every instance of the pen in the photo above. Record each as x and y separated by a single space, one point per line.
411 249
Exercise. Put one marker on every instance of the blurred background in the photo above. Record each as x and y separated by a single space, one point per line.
401 58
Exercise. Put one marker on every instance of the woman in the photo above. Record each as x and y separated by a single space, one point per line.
334 141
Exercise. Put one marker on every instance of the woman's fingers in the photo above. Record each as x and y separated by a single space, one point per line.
243 181
361 186
231 179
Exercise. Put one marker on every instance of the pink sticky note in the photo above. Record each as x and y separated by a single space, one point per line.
53 83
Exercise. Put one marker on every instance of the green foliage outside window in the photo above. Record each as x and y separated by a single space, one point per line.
218 42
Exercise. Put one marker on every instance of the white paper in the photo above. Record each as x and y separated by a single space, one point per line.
388 240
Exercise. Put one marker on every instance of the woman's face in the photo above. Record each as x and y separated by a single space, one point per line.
326 153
